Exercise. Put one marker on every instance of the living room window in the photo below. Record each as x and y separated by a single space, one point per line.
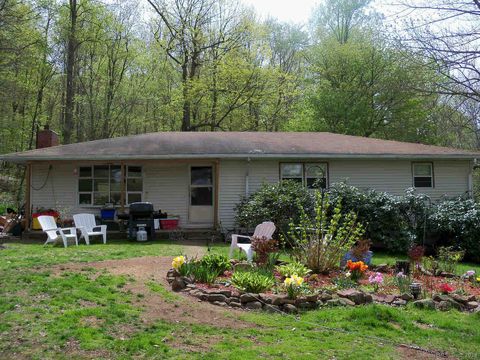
311 175
102 184
423 175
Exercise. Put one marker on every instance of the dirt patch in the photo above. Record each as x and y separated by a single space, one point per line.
92 321
155 307
408 353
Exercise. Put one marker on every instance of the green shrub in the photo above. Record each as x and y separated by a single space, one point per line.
274 202
395 222
321 240
293 268
254 281
216 262
456 223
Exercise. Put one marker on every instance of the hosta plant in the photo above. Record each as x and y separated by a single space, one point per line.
293 268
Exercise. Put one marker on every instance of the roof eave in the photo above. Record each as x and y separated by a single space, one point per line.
25 159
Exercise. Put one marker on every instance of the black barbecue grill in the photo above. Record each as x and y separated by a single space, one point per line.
140 214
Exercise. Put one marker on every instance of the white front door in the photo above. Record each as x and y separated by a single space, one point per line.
201 195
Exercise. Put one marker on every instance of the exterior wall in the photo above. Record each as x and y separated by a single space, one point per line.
166 185
451 178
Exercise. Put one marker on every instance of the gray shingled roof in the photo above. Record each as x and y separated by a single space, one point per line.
176 145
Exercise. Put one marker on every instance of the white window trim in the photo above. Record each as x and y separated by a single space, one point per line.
92 177
304 176
432 174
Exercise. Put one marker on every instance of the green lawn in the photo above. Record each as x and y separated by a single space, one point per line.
45 316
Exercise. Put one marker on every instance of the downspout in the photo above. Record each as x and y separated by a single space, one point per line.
247 178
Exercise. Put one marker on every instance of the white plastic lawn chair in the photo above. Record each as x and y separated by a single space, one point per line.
49 226
266 229
88 227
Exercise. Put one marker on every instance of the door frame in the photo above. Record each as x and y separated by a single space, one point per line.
214 167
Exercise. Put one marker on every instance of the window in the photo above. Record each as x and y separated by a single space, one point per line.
101 184
312 175
422 175
201 186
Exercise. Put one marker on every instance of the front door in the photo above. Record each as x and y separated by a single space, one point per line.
201 195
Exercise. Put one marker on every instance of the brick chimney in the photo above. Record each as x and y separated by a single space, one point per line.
46 138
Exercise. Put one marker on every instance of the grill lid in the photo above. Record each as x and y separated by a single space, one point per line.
141 208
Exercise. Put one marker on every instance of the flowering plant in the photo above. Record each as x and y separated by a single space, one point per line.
445 288
293 285
402 282
376 279
356 269
178 262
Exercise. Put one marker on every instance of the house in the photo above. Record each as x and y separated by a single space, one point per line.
201 176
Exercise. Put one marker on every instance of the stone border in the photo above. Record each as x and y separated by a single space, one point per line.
349 297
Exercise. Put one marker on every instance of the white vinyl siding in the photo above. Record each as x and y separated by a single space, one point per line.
166 185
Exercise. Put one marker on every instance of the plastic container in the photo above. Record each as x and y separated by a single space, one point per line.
142 234
107 214
169 223
36 224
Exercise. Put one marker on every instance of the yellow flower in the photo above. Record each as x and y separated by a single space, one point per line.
478 278
178 262
293 280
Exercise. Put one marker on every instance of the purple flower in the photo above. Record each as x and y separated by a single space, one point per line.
376 278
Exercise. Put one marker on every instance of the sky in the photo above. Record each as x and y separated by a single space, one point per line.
297 11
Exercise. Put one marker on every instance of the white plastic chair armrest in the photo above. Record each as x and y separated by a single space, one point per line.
101 228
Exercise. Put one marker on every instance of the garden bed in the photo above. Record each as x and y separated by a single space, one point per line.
323 292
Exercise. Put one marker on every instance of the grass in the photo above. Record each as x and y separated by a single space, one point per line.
90 314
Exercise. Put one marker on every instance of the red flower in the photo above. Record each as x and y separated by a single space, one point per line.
446 288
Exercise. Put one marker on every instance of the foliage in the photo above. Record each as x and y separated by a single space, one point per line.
448 258
294 285
203 273
455 222
402 282
274 202
321 240
376 280
263 247
254 281
293 268
216 262
445 288
344 282
391 221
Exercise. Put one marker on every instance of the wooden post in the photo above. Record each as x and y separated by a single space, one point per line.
122 187
28 205
216 191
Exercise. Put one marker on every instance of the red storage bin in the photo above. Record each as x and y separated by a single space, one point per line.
169 224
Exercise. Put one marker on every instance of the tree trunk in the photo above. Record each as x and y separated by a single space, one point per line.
70 88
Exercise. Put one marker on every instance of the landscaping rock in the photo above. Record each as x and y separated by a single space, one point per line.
266 298
324 297
235 304
443 305
281 299
440 297
307 305
447 275
340 302
235 299
387 299
219 303
459 298
289 308
300 300
358 297
187 280
243 265
471 305
383 268
272 308
425 304
253 305
455 304
406 297
312 298
191 286
472 298
178 284
399 302
246 298
216 297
